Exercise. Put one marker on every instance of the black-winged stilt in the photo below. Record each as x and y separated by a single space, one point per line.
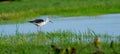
40 22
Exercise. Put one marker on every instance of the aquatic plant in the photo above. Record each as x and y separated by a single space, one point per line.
65 41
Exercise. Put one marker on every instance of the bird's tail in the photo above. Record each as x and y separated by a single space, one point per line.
31 21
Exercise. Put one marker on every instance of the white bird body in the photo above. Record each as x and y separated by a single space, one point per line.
40 22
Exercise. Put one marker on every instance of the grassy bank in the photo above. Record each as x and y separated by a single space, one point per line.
32 43
20 11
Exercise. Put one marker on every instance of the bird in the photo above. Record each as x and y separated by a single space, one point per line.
57 49
97 42
98 50
40 22
70 50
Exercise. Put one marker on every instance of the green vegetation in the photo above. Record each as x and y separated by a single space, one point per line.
82 43
8 0
49 42
20 11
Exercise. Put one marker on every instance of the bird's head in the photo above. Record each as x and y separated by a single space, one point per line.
49 20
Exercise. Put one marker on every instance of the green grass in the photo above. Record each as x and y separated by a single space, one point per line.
32 43
20 11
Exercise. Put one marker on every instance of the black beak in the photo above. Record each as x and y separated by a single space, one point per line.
51 21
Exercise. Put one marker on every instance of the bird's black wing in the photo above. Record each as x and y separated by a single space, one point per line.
38 20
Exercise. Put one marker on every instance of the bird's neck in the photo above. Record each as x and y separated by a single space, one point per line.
46 21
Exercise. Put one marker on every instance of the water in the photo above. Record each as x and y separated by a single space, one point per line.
102 24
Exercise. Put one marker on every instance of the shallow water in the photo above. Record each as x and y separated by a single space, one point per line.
102 24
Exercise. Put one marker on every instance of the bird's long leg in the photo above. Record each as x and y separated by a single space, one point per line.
40 31
37 30
37 35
